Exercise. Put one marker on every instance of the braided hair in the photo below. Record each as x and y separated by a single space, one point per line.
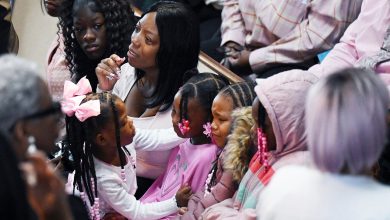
119 22
242 94
80 140
203 87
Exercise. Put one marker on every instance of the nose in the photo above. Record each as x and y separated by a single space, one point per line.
135 39
89 36
213 126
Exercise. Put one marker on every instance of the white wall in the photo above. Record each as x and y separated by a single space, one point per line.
36 31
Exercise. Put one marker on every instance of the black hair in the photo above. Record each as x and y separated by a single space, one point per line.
119 21
204 87
13 193
242 93
80 140
178 30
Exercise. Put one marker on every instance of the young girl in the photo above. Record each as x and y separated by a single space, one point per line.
190 162
221 183
345 138
97 129
278 112
92 30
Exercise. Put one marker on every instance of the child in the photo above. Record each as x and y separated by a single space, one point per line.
278 113
221 185
97 128
190 162
93 30
346 133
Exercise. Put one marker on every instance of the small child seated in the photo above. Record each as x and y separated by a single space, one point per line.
190 162
98 130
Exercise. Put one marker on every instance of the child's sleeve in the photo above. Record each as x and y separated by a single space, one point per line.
113 193
156 139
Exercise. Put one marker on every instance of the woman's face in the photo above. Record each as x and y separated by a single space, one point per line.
45 127
90 31
53 7
221 109
145 44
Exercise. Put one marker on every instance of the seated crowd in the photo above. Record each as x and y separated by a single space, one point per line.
124 126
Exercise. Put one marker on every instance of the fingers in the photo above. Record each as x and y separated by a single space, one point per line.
183 210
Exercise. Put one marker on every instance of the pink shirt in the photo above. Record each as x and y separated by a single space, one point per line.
57 70
282 31
187 163
363 39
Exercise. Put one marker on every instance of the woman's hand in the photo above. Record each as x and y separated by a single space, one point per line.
183 195
46 191
239 62
108 72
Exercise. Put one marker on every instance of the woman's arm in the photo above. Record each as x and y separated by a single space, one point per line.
156 139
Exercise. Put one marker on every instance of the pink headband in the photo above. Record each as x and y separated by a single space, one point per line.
74 95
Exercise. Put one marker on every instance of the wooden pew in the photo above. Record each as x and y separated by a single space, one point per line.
208 62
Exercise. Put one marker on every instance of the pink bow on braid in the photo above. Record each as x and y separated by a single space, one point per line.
74 95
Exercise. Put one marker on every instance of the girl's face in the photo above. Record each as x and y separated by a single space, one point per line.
221 109
268 130
52 7
197 117
90 31
127 130
145 43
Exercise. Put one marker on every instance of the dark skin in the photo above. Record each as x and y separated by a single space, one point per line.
145 43
90 31
196 116
106 149
237 59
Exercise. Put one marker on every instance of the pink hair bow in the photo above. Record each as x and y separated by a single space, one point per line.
83 87
74 95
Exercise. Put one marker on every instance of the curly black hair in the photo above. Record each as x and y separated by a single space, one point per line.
119 21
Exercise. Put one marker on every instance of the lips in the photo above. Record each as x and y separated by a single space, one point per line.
131 54
91 47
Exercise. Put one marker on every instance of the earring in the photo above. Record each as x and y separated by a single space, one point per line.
262 147
32 148
207 129
184 126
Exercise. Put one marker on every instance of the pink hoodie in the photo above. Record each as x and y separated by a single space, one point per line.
283 97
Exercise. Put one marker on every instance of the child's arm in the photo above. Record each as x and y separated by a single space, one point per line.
224 189
156 139
113 193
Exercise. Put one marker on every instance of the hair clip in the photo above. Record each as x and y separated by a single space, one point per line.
184 126
207 129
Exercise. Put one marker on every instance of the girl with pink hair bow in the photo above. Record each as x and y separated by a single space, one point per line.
98 130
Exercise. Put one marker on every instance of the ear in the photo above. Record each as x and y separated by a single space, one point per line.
19 135
100 139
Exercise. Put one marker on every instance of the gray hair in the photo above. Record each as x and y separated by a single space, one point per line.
346 121
19 90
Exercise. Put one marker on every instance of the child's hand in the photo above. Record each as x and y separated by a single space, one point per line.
183 195
183 210
108 71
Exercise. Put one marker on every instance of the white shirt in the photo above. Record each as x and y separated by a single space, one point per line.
301 193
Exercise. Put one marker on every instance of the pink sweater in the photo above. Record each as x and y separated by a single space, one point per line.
187 163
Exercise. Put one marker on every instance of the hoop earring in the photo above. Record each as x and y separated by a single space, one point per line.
262 147
32 148
184 126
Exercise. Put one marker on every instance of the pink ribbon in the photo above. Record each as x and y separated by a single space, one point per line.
74 95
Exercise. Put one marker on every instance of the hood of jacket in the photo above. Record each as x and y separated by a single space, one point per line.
283 97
